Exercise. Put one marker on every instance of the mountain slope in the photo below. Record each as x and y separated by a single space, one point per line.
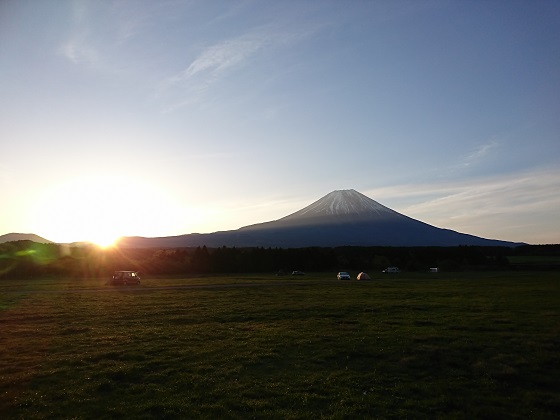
11 237
341 218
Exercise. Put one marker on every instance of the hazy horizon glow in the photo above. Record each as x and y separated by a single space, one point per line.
213 115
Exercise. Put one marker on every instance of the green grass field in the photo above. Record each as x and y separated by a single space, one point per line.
465 345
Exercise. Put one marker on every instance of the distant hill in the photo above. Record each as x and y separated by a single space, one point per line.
11 237
341 218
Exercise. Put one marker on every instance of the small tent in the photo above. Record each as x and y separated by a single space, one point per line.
363 276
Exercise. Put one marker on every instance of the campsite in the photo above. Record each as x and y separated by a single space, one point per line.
415 345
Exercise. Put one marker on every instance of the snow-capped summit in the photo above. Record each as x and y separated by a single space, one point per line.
337 207
342 202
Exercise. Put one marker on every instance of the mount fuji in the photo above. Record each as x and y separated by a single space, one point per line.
341 218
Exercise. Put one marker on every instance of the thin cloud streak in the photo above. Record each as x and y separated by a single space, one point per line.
480 153
216 62
220 58
498 207
208 69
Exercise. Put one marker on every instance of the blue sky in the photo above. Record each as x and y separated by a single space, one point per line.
170 117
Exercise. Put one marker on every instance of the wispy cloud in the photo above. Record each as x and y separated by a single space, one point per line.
518 207
221 58
480 152
76 48
215 63
99 47
210 67
79 52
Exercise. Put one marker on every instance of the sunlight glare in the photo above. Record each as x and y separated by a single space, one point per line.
102 208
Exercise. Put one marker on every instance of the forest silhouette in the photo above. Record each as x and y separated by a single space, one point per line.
27 259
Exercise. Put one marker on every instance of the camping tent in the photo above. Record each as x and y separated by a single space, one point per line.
363 276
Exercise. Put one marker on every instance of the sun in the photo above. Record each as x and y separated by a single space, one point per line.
102 208
104 240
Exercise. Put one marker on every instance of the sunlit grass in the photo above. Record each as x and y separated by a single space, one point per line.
468 345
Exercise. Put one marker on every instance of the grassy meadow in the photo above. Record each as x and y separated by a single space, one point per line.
431 345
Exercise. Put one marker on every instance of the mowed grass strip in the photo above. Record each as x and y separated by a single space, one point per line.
481 345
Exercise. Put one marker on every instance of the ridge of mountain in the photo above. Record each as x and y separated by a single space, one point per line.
12 237
341 218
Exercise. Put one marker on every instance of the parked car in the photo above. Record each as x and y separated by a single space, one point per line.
125 277
343 275
391 270
298 273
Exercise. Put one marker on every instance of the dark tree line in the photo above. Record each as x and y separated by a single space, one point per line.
26 259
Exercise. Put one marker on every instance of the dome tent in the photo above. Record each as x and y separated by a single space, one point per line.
363 276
